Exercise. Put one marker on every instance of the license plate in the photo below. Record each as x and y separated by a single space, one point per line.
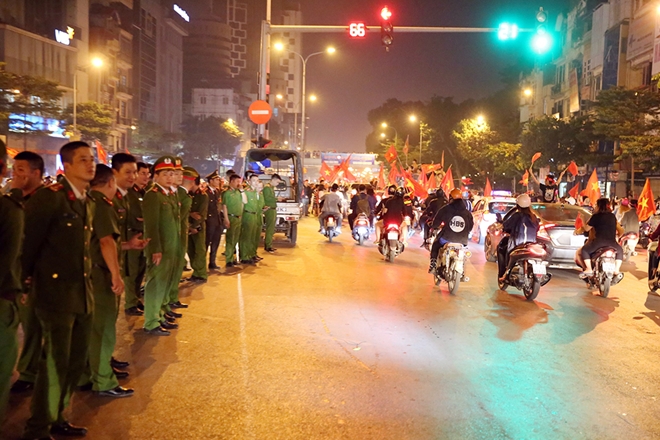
608 267
539 269
331 221
459 266
577 240
392 235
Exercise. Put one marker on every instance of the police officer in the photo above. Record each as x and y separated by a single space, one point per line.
250 222
136 263
232 207
11 238
184 201
197 226
57 262
270 211
27 174
160 210
214 223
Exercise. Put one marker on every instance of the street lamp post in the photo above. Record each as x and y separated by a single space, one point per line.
96 62
330 50
396 134
413 118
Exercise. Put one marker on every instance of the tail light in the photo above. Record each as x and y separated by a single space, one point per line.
543 230
392 226
537 249
362 222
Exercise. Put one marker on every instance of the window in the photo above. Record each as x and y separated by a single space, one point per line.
123 80
225 101
202 100
646 74
289 91
122 109
291 76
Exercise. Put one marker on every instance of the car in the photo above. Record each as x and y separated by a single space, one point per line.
484 214
556 233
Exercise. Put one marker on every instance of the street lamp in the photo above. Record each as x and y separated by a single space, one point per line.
279 96
329 50
313 98
396 134
95 62
413 118
527 92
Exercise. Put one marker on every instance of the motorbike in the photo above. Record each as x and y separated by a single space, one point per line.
644 232
527 270
628 242
390 245
450 266
654 280
330 227
361 228
603 262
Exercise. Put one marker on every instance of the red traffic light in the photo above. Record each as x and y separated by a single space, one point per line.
385 13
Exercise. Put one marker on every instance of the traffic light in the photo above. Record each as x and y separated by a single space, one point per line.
542 39
507 31
261 142
386 28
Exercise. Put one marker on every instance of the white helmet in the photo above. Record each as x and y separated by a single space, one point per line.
524 201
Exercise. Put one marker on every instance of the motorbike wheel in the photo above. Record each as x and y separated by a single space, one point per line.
330 237
453 281
502 285
604 287
361 240
391 255
488 250
626 254
532 291
436 279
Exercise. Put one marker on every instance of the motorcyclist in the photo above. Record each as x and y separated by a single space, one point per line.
391 210
431 206
549 190
331 205
456 223
522 226
357 207
605 227
653 254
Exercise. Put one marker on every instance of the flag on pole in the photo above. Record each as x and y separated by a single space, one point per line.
536 157
442 162
572 168
326 172
416 188
431 168
432 183
406 146
447 183
487 190
646 203
579 222
391 154
344 167
593 189
381 178
525 178
12 152
101 154
573 192
335 173
395 172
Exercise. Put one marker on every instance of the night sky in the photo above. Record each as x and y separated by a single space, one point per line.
362 76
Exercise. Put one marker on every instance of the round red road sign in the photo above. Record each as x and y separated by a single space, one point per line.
260 112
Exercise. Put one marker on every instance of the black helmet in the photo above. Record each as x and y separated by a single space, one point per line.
400 192
391 190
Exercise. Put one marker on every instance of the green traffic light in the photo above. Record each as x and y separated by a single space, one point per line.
507 31
541 42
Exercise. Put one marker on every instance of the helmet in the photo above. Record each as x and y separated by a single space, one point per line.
400 192
455 194
625 202
524 201
391 190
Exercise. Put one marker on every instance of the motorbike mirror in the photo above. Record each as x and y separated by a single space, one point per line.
499 217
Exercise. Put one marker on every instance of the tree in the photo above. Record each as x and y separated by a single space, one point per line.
630 117
209 138
93 120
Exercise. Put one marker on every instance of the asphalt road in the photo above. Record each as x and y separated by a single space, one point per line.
328 341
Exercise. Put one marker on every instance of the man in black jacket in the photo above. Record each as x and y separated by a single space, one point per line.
214 223
456 222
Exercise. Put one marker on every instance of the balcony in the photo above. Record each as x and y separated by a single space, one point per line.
124 90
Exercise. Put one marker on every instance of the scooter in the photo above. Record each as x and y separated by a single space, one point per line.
527 270
603 262
390 245
628 242
361 228
450 266
654 279
330 227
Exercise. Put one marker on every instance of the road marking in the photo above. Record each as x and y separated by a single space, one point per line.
244 360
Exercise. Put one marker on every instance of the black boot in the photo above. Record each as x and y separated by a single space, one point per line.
432 266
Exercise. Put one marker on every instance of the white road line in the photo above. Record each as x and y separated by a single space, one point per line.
244 361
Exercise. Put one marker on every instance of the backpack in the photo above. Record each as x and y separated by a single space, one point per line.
363 206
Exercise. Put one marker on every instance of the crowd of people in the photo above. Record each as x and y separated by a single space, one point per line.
71 249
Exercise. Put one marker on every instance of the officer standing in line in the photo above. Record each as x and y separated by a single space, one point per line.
259 186
136 263
197 226
250 222
214 221
11 240
27 174
57 263
108 240
270 211
232 206
184 201
161 223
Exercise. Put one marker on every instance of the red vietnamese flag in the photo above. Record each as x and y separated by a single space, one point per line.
646 204
344 167
406 146
423 180
487 190
572 168
394 173
417 189
432 183
326 172
431 168
525 178
573 192
536 157
447 183
579 222
12 152
101 154
593 189
381 178
335 173
391 154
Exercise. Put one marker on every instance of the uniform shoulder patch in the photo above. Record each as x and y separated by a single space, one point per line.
55 187
108 201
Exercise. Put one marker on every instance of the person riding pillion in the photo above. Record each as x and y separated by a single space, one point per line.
549 190
331 205
455 222
522 226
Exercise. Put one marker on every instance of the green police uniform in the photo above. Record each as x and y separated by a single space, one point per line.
109 221
249 223
11 239
162 227
184 201
136 263
57 258
197 240
233 200
270 215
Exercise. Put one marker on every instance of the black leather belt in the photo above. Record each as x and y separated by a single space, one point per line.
235 216
249 212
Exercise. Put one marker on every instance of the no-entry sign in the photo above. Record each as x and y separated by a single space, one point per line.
260 112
